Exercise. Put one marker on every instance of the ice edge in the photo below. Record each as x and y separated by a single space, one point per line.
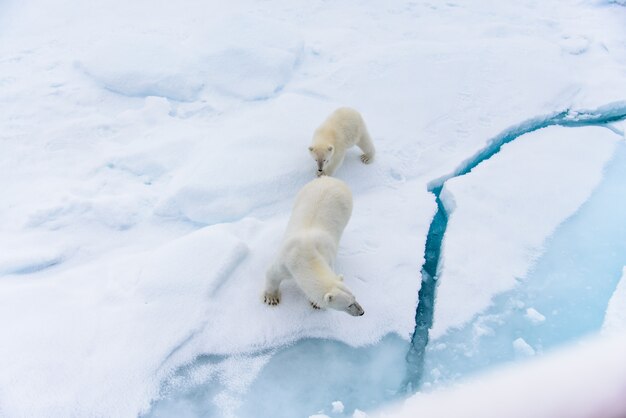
601 116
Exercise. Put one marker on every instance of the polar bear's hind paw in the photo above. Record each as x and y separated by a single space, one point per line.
366 158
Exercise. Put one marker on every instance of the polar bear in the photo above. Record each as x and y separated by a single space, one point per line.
341 130
319 216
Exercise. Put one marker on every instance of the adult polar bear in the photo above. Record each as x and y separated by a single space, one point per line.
343 129
320 214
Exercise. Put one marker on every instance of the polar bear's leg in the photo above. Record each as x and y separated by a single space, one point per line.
334 164
275 275
365 143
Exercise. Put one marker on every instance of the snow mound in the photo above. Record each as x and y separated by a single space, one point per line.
142 68
155 300
239 58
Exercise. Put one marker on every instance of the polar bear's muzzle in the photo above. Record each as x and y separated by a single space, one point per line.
355 309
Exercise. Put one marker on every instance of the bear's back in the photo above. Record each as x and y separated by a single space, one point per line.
322 204
344 126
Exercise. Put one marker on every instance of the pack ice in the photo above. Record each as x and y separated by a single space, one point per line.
150 154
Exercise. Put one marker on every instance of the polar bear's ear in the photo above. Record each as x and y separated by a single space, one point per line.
330 148
328 297
340 277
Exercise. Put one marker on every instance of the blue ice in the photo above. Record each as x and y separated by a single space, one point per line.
570 285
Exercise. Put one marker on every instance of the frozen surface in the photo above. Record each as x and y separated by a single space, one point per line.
534 316
190 296
501 213
615 318
151 152
299 380
569 285
584 381
338 407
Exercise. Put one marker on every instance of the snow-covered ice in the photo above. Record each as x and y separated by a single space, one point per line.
338 407
359 414
150 153
570 284
615 318
534 316
191 296
522 348
501 213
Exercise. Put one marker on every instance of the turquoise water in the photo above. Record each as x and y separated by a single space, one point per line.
570 285
424 314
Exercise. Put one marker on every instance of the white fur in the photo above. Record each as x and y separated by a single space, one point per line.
340 131
320 214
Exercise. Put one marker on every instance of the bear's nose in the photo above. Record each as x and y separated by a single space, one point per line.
355 309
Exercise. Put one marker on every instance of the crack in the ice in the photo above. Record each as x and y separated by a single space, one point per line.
602 116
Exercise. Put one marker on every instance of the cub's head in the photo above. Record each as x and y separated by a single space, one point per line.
341 299
322 154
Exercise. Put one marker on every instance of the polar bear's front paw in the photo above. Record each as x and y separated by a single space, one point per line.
271 299
314 305
367 158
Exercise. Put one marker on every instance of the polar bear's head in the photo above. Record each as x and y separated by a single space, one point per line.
341 299
322 154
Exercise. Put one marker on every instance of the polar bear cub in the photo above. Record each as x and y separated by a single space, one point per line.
343 129
320 214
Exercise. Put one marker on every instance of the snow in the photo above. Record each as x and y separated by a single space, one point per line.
534 316
182 298
583 381
615 317
505 209
338 407
359 414
522 348
156 65
151 153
